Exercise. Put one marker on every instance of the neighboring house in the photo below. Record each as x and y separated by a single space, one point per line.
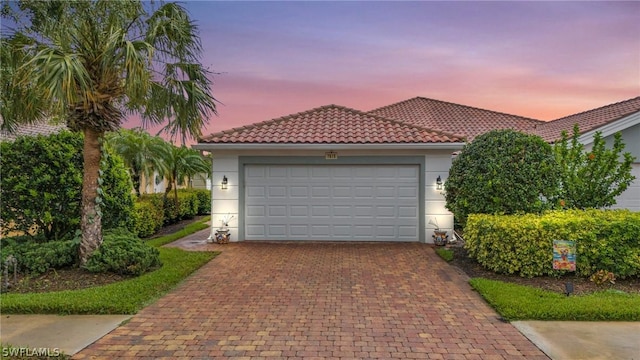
335 173
41 128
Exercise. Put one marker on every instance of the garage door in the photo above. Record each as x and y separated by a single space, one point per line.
338 202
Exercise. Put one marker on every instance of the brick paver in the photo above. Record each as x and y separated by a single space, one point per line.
318 301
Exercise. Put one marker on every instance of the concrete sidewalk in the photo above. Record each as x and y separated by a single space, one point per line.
67 334
560 340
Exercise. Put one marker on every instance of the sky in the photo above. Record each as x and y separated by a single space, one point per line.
542 60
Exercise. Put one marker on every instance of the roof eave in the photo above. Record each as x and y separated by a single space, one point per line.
611 128
328 146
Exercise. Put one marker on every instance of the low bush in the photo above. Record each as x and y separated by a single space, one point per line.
187 205
204 200
148 218
523 244
37 258
125 254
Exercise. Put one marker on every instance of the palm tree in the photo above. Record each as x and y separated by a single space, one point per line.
142 153
93 62
183 162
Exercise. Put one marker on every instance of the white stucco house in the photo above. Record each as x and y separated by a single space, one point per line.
339 174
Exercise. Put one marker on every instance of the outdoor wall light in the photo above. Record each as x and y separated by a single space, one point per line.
225 181
439 183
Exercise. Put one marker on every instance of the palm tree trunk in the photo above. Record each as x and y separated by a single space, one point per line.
91 221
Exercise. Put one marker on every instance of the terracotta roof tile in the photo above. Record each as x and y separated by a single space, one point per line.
589 120
332 124
42 128
460 119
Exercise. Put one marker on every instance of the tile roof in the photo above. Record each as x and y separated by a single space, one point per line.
42 128
589 120
331 124
459 119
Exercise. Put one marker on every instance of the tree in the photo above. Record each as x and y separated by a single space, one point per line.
502 171
143 154
183 163
591 178
91 63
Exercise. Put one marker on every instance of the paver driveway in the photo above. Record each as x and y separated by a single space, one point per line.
319 300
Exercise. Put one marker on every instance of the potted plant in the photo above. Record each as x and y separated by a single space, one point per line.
223 234
440 237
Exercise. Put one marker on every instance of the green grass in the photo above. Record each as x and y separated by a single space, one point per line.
518 302
445 254
124 297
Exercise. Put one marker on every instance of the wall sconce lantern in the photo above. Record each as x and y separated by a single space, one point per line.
225 181
439 183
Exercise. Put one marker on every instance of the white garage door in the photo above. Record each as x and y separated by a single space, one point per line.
331 202
630 199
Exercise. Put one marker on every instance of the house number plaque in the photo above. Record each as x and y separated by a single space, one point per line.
331 155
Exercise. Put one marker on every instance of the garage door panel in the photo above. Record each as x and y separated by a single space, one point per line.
407 212
276 230
320 210
277 211
257 231
277 192
299 211
299 230
363 192
255 210
299 192
345 192
322 192
319 202
410 192
256 191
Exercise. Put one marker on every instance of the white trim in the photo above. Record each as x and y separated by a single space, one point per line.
611 128
327 147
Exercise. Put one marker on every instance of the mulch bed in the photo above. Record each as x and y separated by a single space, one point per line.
75 278
556 284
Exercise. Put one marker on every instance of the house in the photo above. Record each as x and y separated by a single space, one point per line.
40 128
335 173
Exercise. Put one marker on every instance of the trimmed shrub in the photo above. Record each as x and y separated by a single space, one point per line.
41 185
523 244
117 195
501 172
125 254
204 200
37 258
188 205
148 218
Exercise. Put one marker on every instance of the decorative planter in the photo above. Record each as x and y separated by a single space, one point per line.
440 238
223 236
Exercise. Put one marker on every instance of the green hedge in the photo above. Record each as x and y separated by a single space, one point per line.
155 210
148 218
523 244
204 200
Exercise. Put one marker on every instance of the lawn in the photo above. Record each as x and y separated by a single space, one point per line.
124 297
519 302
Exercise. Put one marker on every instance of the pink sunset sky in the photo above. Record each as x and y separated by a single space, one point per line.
542 60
